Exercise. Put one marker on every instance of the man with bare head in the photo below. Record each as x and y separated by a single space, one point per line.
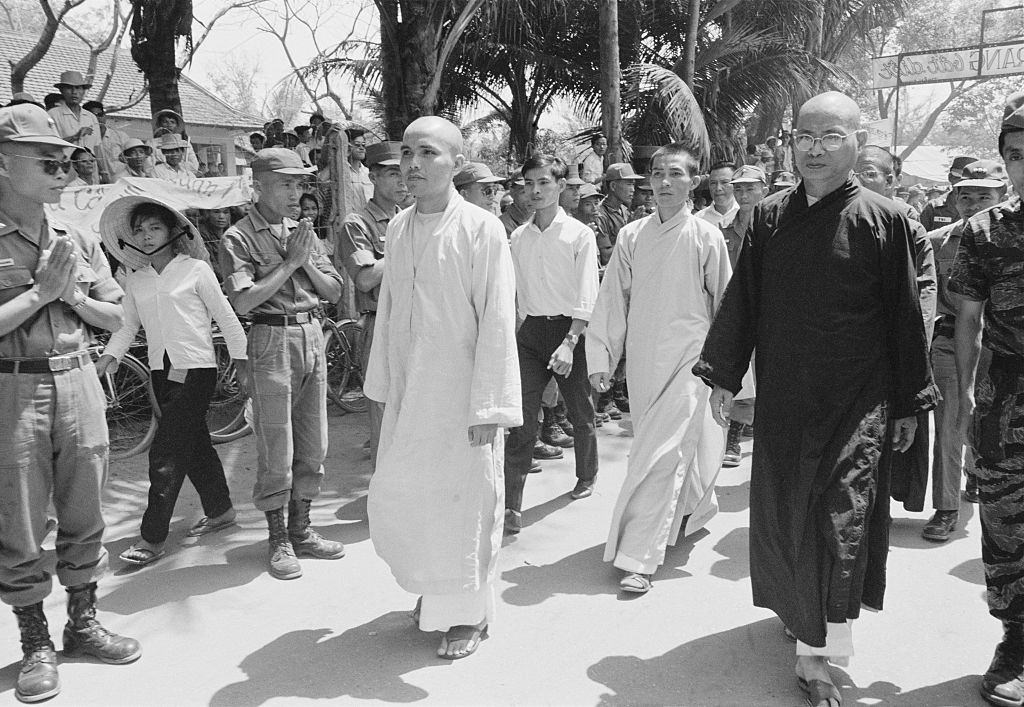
444 364
825 291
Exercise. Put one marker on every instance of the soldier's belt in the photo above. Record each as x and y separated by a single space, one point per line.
54 364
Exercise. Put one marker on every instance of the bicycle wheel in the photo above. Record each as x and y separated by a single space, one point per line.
131 408
339 361
236 428
352 398
224 416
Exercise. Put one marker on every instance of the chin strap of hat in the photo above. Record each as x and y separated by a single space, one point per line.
122 243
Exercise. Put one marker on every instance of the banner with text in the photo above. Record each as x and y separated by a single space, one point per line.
80 208
948 65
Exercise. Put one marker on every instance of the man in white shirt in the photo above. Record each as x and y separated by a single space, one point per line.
74 124
85 168
723 206
112 142
173 168
592 163
555 257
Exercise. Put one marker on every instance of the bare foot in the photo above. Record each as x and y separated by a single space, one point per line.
462 641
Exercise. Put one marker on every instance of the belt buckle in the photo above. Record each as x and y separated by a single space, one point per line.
59 363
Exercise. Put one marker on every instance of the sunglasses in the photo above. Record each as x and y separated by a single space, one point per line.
50 165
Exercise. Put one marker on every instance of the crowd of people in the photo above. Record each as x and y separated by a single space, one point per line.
825 317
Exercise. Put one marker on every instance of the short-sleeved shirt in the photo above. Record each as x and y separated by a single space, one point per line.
361 244
989 268
513 218
734 240
946 243
55 329
68 124
250 250
609 220
940 212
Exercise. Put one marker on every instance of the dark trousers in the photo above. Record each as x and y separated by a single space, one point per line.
537 340
182 448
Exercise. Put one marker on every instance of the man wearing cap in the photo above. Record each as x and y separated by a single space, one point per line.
74 124
135 158
748 188
521 209
826 293
983 185
723 206
54 288
444 363
169 121
591 167
590 204
941 211
569 199
643 200
477 184
173 168
782 179
277 273
666 278
112 142
257 141
619 182
361 249
988 276
876 171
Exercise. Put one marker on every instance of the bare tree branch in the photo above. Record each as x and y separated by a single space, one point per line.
238 5
133 100
956 90
116 54
10 17
454 35
20 68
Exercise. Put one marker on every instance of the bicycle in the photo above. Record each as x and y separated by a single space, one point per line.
226 417
131 408
343 342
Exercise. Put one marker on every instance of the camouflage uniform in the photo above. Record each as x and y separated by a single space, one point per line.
989 268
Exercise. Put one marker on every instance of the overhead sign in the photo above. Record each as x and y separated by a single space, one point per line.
880 132
948 65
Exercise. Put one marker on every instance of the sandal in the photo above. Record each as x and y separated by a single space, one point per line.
472 634
141 556
207 525
820 693
636 583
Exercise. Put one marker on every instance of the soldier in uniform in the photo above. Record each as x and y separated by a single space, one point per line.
53 431
361 248
941 211
988 275
276 272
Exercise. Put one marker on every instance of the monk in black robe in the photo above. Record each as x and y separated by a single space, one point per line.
825 291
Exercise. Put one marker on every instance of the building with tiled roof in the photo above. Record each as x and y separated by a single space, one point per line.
212 125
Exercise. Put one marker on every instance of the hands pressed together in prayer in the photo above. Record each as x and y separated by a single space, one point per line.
300 244
55 274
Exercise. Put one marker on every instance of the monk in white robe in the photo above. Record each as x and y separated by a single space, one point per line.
664 282
444 364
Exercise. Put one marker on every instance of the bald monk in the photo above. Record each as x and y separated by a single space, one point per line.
444 364
825 290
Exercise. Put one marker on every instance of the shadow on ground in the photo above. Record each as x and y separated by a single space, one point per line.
732 499
582 573
906 532
735 547
366 663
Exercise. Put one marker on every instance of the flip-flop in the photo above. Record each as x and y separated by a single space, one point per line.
207 525
141 556
819 691
475 635
636 583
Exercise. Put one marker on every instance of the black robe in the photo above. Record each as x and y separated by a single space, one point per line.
827 295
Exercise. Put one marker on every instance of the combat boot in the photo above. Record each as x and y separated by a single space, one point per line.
562 420
1003 683
283 564
306 541
733 453
83 634
37 678
551 432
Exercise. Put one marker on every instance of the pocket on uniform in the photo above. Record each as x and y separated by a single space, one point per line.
266 261
13 281
261 342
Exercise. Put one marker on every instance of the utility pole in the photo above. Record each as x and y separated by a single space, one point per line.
611 109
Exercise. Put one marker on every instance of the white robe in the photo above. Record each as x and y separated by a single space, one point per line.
663 284
443 358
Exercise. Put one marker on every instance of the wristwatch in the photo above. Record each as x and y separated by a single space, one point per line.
571 339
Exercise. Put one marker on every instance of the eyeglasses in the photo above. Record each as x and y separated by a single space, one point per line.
830 142
360 145
50 165
491 190
870 174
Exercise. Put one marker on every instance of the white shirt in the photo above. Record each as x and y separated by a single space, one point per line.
556 269
593 167
172 174
715 218
68 124
175 307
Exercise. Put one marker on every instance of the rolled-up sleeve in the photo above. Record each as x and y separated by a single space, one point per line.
356 250
236 264
586 276
968 278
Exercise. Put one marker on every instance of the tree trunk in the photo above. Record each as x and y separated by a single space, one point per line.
20 68
156 25
611 112
692 30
